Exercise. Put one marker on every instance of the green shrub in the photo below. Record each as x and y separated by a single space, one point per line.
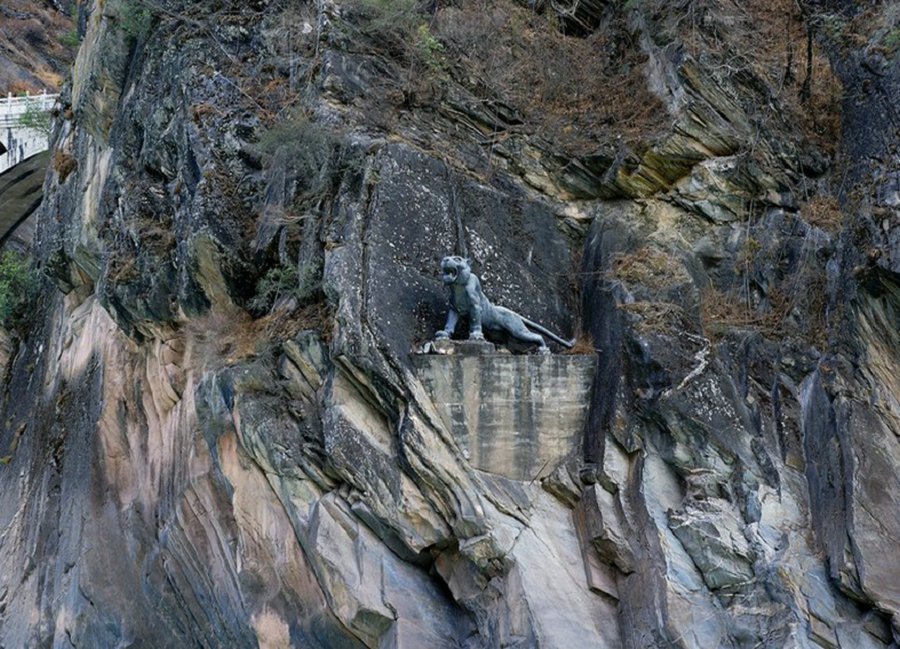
70 39
891 41
35 118
389 16
285 281
306 147
401 26
18 285
430 49
134 18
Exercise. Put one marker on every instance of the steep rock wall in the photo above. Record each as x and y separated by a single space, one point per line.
179 472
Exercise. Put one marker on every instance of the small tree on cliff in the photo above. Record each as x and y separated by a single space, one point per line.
17 288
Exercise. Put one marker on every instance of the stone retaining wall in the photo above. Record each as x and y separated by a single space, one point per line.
516 416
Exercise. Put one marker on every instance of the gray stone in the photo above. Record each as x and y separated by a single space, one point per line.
549 565
713 537
518 416
384 601
467 347
177 472
603 520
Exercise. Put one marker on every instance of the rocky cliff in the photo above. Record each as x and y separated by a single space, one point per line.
213 433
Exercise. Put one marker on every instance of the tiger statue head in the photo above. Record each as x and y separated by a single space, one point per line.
455 270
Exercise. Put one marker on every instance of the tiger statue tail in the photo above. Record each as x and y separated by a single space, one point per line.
568 344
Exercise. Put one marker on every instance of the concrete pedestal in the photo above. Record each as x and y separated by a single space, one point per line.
516 416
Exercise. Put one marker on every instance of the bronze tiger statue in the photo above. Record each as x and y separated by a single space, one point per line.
466 298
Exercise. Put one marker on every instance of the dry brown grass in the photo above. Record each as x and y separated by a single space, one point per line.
770 39
201 110
223 338
31 41
651 274
64 164
578 90
648 267
720 312
584 344
823 212
220 338
658 317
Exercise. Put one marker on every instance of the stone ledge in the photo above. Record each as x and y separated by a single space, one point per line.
447 347
515 416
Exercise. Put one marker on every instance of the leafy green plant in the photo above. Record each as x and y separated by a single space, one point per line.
397 16
891 41
36 118
134 18
430 49
400 27
307 148
286 281
70 38
18 285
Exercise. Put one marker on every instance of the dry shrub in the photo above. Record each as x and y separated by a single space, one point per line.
285 324
658 317
652 273
823 212
875 26
222 338
64 164
720 311
648 267
769 38
584 344
201 110
17 88
35 57
576 89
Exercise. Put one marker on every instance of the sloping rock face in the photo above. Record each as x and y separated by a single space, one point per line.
214 435
37 43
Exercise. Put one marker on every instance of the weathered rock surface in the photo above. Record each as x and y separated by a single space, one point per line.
516 416
214 433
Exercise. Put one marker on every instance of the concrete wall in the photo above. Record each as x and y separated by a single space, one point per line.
21 143
517 416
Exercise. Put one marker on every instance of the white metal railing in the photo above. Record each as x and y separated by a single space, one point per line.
12 108
20 141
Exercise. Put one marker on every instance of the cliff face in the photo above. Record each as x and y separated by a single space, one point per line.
214 434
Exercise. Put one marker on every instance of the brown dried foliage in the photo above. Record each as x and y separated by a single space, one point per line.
651 273
721 311
658 317
769 39
64 164
222 338
649 267
578 90
823 212
31 42
584 344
